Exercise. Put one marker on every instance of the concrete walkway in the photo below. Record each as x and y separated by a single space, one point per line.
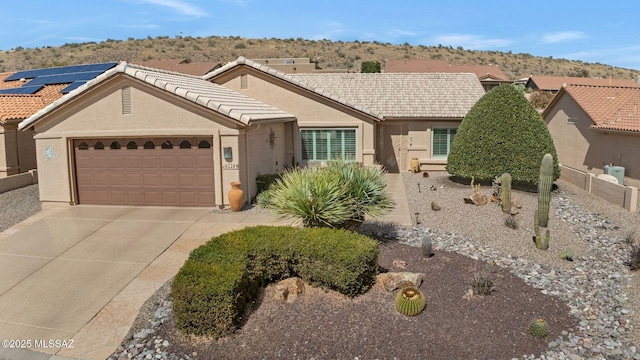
79 275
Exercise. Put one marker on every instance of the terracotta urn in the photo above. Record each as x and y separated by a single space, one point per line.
235 196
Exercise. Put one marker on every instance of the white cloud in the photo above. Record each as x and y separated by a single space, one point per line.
330 30
562 37
180 6
401 32
469 41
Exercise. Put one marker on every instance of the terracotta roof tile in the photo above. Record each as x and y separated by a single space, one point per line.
554 83
609 107
428 66
51 93
16 107
9 84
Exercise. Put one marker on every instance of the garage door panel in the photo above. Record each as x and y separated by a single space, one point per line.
117 180
151 180
169 180
138 176
135 180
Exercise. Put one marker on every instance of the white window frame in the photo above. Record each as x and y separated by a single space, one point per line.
433 133
315 159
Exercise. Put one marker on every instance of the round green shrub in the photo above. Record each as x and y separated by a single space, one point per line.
502 133
410 301
223 278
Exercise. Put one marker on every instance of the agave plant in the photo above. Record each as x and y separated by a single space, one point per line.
336 196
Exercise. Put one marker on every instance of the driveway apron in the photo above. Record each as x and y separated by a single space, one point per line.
59 272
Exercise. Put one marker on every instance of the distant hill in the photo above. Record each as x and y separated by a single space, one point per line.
327 54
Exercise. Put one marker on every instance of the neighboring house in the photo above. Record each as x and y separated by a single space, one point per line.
490 76
296 65
182 66
554 83
594 126
22 94
142 136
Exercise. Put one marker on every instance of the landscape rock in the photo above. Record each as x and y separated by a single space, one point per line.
395 280
288 290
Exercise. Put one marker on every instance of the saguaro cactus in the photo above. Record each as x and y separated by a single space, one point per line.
544 189
505 196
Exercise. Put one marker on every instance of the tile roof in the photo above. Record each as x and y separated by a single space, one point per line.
213 96
9 84
609 107
17 107
386 95
428 66
554 83
179 65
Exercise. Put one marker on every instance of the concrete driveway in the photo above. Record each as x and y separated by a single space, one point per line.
72 279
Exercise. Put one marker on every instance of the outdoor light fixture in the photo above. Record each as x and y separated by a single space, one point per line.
417 218
228 153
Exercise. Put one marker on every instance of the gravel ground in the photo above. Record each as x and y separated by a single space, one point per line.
600 291
17 205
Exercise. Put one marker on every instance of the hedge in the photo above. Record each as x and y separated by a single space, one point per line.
502 133
222 279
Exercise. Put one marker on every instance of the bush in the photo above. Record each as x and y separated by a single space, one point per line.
335 196
264 181
222 279
502 133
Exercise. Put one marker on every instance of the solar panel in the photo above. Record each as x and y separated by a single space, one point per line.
23 90
72 86
87 68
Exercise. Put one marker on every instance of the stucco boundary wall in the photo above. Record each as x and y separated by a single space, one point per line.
19 180
623 196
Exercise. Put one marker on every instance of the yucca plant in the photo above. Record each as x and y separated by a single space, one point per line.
339 195
315 196
365 186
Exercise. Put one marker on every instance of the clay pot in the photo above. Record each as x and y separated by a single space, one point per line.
235 196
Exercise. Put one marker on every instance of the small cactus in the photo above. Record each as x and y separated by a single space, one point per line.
505 196
541 243
545 180
410 301
568 254
538 328
427 246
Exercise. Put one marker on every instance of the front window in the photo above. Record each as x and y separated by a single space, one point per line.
328 144
442 140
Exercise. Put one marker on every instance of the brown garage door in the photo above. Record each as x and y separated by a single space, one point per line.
166 171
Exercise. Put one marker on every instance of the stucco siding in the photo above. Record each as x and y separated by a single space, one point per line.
265 156
310 113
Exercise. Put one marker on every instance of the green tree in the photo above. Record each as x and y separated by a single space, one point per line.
370 67
502 133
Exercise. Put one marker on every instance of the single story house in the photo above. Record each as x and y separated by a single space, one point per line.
553 84
22 94
490 76
143 136
594 126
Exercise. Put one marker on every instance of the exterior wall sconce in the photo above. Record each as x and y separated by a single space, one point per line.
227 153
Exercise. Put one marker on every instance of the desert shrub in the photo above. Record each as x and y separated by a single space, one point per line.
634 257
335 196
264 181
540 99
511 222
222 279
482 284
502 133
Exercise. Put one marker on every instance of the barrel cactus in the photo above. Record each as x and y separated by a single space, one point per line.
505 196
538 328
545 181
410 301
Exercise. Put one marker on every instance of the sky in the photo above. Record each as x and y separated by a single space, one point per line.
587 30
